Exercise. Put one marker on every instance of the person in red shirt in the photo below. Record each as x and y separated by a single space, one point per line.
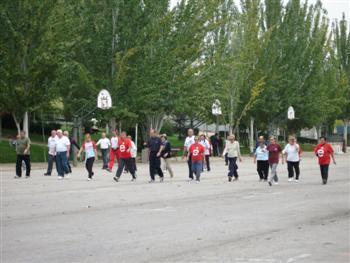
275 151
324 152
196 151
125 147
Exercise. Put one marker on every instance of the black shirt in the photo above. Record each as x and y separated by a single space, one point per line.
166 149
154 144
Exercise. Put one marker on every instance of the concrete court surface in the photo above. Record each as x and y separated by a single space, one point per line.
46 220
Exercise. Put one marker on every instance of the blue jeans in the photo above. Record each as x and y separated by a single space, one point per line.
105 158
197 169
61 163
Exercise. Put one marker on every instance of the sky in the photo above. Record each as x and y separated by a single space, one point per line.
335 8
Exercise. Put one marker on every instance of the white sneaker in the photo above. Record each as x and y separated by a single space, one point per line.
275 183
290 180
89 179
60 178
296 180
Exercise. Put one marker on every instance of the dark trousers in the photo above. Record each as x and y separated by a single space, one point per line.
190 171
127 163
154 165
232 167
291 167
26 159
62 163
104 153
324 172
50 161
89 164
134 163
263 169
226 158
207 162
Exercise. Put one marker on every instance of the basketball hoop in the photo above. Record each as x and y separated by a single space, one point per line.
104 100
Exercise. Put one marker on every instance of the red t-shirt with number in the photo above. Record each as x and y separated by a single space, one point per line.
197 150
124 146
323 152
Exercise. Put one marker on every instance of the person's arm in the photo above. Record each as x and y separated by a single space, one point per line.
80 150
160 150
254 158
27 148
185 151
95 150
98 142
68 149
225 151
332 154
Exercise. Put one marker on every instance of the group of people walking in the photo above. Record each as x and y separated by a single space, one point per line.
197 151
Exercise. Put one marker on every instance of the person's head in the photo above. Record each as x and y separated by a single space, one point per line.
123 135
129 137
152 133
163 137
202 137
291 139
103 135
272 140
261 140
190 132
116 132
22 134
87 137
66 133
323 139
53 133
59 133
196 139
231 138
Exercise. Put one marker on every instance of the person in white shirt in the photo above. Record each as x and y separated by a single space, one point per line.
233 151
104 144
206 144
113 153
188 142
133 152
292 153
51 144
62 154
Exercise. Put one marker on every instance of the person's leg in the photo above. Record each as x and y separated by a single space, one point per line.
26 159
273 174
65 162
152 166
190 172
130 167
104 158
207 160
235 167
19 165
198 170
59 166
168 165
290 170
120 168
230 168
260 169
91 164
326 167
158 168
49 164
275 178
297 170
265 170
112 156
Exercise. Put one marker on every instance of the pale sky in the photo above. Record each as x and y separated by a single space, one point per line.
335 8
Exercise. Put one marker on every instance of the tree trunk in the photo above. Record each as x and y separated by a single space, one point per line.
17 122
251 135
346 122
26 123
112 124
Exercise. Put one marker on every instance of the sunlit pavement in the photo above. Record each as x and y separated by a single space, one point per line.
74 220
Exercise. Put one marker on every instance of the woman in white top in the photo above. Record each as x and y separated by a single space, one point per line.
292 153
206 144
233 151
104 144
133 153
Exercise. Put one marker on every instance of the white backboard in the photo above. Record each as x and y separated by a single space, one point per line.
104 100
